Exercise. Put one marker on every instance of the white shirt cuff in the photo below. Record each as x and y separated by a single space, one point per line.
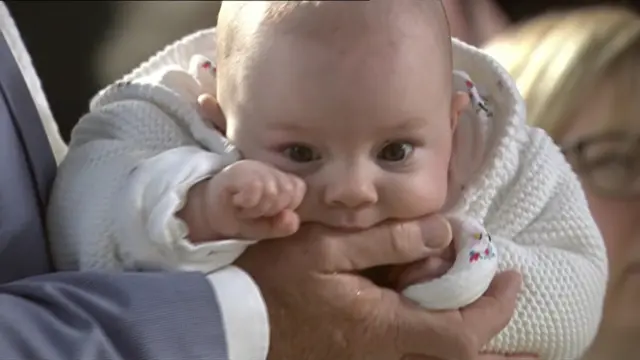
244 314
150 234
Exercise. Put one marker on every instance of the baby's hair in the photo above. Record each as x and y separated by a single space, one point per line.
244 27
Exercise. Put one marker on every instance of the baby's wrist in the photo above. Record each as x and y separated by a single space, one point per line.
197 215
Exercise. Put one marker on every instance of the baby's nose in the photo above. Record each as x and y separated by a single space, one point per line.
352 191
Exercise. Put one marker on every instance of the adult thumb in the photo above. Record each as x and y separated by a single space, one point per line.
492 312
436 231
393 243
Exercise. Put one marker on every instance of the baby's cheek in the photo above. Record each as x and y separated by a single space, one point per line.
416 195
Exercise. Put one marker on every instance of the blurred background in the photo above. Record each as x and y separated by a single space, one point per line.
80 46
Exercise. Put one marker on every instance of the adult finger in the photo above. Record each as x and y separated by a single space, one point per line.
486 317
421 332
386 244
460 335
507 357
436 232
424 270
283 224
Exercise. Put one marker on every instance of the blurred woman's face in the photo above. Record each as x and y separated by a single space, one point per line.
609 168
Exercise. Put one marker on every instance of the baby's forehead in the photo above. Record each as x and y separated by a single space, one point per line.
334 16
348 22
322 49
249 26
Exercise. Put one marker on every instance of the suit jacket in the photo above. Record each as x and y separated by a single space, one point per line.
68 315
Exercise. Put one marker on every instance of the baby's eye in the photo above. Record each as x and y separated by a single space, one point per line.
395 151
300 153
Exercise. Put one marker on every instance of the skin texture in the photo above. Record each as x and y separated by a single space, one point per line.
320 308
618 221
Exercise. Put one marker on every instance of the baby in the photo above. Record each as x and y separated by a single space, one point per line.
344 114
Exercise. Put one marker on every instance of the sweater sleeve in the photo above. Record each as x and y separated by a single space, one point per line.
131 162
562 258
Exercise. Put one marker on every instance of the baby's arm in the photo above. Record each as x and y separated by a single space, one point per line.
131 163
562 258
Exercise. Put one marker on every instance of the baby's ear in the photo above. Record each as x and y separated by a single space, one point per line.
211 111
459 103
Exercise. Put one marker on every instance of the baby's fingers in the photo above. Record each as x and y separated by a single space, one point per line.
299 190
284 224
249 195
258 199
280 200
288 196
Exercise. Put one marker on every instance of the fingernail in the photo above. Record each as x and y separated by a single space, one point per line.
436 232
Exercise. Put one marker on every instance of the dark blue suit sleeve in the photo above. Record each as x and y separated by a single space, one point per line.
94 316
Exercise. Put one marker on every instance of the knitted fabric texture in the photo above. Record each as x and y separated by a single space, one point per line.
135 155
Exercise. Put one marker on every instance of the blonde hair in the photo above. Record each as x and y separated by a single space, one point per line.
559 59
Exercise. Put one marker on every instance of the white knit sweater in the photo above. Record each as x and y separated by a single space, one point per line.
134 156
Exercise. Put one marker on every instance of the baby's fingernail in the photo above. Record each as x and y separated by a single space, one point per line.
436 232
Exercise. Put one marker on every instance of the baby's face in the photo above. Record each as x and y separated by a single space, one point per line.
369 129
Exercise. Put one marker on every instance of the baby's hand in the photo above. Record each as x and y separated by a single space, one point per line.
437 265
253 200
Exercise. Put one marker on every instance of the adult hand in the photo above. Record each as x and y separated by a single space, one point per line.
507 357
321 308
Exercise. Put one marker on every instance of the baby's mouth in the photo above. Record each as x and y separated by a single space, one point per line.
348 229
351 226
